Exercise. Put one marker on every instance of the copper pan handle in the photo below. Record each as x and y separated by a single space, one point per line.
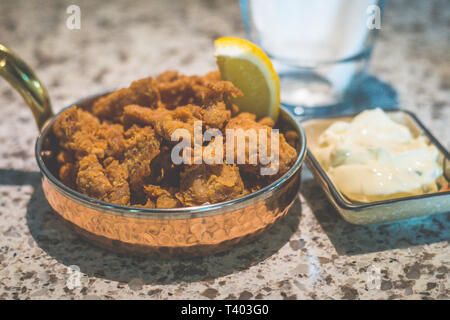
23 79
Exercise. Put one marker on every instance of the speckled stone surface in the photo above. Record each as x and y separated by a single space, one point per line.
311 254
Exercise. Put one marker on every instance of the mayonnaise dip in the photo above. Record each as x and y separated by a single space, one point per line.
374 158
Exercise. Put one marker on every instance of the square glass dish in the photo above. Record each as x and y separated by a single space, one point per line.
386 210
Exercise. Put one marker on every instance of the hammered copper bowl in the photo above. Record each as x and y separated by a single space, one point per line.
183 232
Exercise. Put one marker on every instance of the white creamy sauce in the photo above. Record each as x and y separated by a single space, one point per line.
374 158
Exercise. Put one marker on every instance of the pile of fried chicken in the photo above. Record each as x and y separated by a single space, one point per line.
119 150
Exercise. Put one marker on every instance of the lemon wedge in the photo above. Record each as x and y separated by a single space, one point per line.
245 65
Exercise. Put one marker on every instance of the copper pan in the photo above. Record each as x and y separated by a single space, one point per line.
166 233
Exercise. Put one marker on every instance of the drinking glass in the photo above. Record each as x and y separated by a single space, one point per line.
317 47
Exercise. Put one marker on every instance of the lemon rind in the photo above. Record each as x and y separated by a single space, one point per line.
227 47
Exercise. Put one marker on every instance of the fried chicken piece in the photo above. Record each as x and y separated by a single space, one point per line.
245 122
113 134
141 147
134 114
143 92
162 197
188 113
71 121
178 90
76 130
117 175
267 121
146 92
183 117
110 106
92 179
164 121
82 133
209 93
286 153
209 183
108 184
216 115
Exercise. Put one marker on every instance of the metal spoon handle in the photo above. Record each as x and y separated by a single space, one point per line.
23 79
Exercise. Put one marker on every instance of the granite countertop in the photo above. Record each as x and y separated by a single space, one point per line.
310 254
